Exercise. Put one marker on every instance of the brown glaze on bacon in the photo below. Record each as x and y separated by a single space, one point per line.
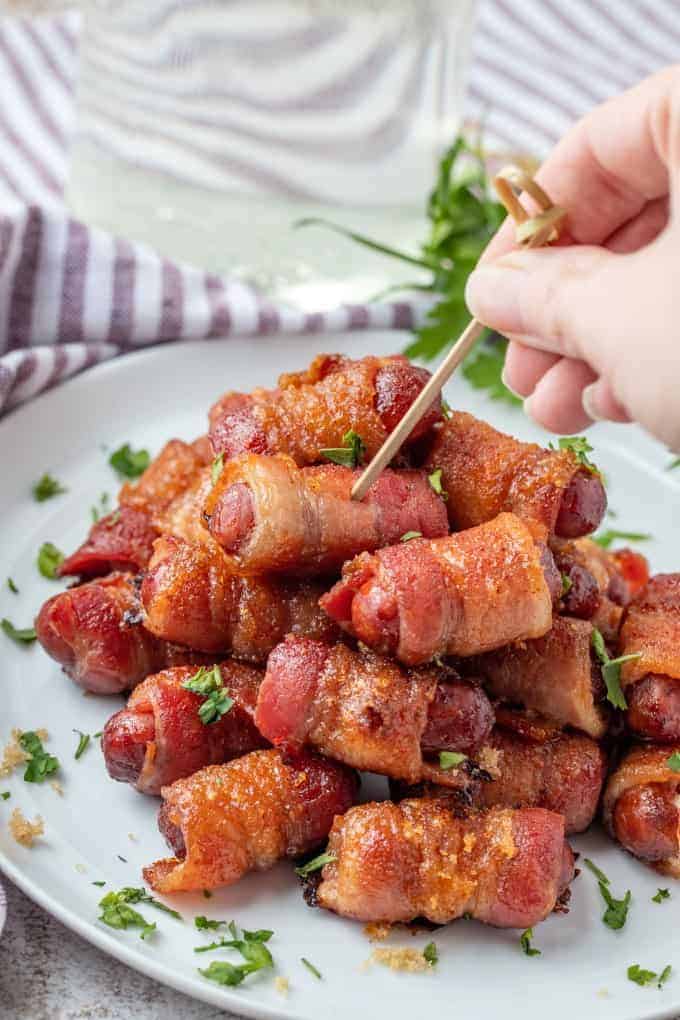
123 539
554 675
367 711
311 411
651 683
191 597
642 807
486 472
271 515
459 595
227 820
398 862
159 737
95 632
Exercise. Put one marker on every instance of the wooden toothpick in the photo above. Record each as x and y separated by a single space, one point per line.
532 231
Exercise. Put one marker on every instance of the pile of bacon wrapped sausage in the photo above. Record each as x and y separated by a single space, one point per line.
439 633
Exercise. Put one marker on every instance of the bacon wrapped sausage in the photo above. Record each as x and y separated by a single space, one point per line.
651 683
227 820
123 539
95 632
271 515
486 472
367 711
554 675
312 410
458 595
642 807
191 597
160 736
398 862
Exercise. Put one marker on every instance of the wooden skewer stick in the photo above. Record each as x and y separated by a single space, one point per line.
532 231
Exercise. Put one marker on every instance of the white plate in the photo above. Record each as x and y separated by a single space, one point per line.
144 399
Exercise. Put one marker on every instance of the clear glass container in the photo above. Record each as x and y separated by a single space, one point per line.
207 128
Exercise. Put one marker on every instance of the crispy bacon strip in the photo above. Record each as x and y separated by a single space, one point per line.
651 683
459 595
191 597
123 539
227 820
271 515
554 675
312 410
95 632
397 862
486 472
642 807
159 737
367 711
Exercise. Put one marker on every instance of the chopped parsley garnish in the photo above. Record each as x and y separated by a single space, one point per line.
22 635
644 977
103 508
673 762
664 975
617 910
435 480
128 462
673 464
311 968
49 560
216 469
209 685
12 586
47 487
351 454
5 794
252 948
205 924
446 409
611 669
606 538
117 912
409 535
525 942
315 864
100 884
431 954
451 759
567 585
83 744
40 764
580 447
660 895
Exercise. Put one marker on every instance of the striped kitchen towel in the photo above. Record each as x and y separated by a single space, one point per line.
71 297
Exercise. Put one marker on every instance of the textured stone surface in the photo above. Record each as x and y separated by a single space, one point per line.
48 973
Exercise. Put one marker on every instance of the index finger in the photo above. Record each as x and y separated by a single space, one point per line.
609 166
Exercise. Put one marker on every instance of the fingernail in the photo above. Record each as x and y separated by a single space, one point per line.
589 402
491 295
504 380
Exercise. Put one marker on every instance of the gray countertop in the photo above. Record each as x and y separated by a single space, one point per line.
49 973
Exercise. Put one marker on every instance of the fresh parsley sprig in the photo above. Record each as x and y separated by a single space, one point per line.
209 685
251 946
116 911
611 669
128 462
40 764
644 977
580 447
616 914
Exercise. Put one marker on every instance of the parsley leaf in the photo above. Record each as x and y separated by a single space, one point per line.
128 462
580 447
251 947
451 759
664 976
208 684
40 764
204 924
435 480
12 586
483 369
49 559
409 535
611 669
606 538
315 864
599 875
117 912
311 968
216 469
617 910
661 894
5 794
640 976
567 585
83 744
525 942
431 954
351 454
673 762
22 635
46 487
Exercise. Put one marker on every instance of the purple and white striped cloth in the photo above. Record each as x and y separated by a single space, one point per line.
71 296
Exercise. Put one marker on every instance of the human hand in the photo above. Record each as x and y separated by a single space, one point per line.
594 322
